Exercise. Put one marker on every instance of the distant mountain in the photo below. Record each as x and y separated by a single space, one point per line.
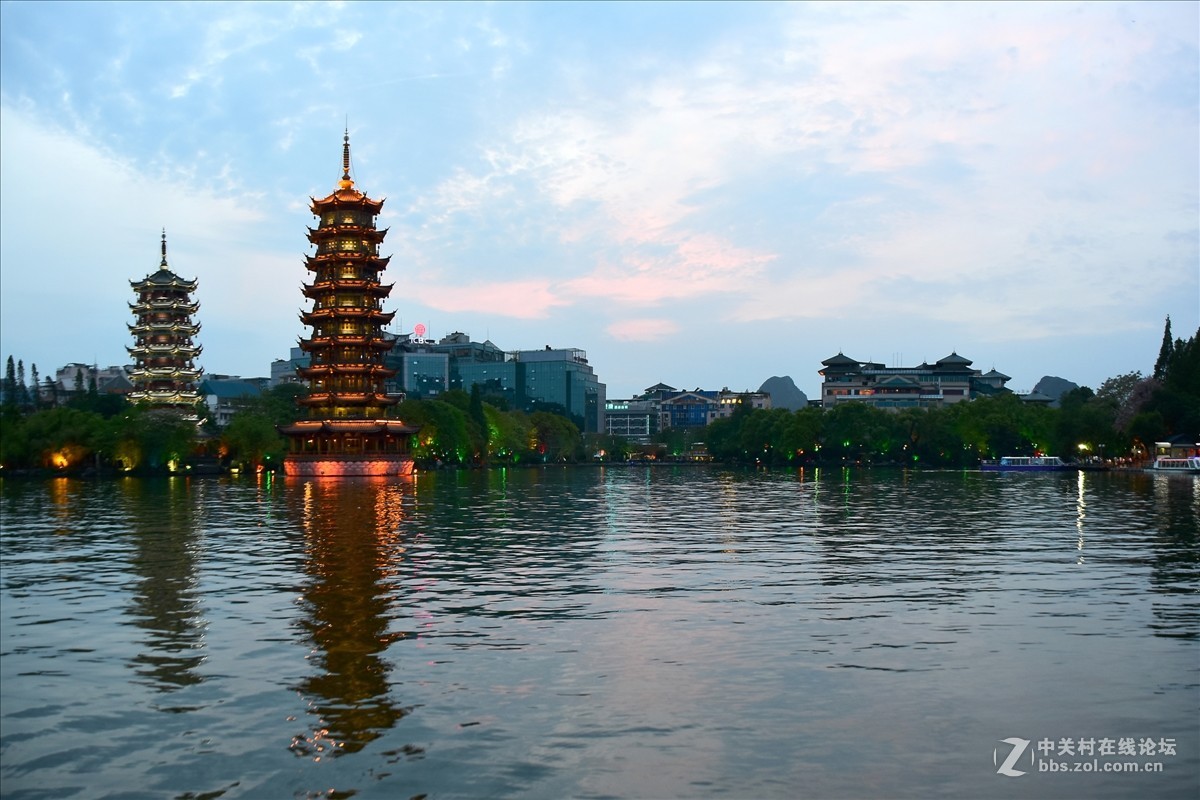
784 393
1054 387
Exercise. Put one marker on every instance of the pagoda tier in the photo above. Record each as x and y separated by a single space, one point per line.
345 432
317 291
178 328
164 350
154 304
319 315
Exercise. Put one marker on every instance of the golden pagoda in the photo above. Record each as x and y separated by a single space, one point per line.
346 431
164 352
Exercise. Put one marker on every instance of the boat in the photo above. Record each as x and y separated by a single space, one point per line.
1189 465
1026 464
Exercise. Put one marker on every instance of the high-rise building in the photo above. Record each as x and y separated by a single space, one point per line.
553 379
347 430
164 372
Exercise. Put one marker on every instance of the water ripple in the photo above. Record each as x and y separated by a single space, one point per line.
590 632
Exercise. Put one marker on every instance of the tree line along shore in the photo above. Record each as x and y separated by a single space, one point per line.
87 432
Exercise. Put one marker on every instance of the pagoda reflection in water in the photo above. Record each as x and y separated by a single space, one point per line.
352 544
347 431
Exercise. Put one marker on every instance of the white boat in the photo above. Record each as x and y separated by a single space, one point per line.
1185 464
1026 464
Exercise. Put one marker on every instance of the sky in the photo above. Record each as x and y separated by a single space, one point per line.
703 195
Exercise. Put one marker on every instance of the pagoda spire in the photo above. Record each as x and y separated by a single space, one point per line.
163 263
346 182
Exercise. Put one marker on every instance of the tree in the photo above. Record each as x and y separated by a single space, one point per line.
1119 390
11 399
508 434
35 386
1177 398
1164 352
606 447
14 441
150 439
1084 424
802 434
443 435
932 438
253 437
50 393
62 438
723 439
479 423
23 400
553 437
856 431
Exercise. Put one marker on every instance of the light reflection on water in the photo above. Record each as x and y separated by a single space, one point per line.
589 632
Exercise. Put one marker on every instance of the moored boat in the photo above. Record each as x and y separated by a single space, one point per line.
1026 464
1189 465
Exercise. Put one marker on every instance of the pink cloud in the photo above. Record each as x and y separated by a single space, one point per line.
642 330
694 265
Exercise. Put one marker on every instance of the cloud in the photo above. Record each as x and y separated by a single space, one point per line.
642 330
73 266
1021 170
521 299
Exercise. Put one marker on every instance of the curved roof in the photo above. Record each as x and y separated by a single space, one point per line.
954 360
164 277
840 360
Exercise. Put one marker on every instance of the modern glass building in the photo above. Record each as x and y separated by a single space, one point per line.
563 378
424 374
530 379
551 379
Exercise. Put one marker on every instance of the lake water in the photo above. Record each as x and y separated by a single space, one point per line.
645 632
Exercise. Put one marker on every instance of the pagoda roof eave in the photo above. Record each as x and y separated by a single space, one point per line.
346 197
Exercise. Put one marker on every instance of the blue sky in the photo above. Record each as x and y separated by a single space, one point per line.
703 195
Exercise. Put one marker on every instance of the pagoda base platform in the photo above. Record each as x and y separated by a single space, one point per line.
347 466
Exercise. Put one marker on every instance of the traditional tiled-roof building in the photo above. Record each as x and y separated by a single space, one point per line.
949 380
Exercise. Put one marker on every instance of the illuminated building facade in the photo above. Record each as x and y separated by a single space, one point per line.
164 372
663 407
346 431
